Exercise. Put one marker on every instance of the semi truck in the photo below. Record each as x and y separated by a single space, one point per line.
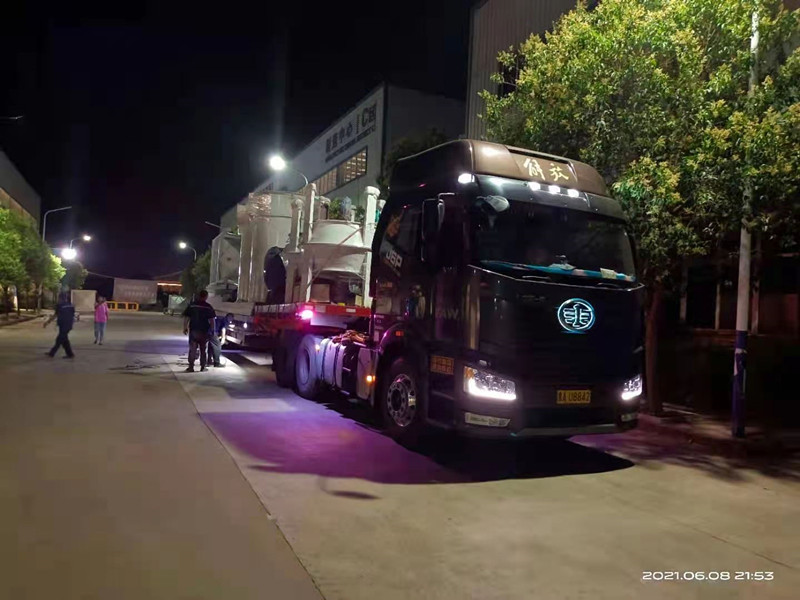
504 303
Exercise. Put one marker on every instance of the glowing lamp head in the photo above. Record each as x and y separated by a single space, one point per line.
86 237
69 253
465 178
182 245
277 163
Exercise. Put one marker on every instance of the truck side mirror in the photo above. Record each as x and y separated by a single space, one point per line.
432 218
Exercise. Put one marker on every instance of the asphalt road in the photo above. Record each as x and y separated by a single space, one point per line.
125 478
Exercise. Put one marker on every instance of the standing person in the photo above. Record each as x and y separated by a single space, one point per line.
100 319
64 316
198 319
216 337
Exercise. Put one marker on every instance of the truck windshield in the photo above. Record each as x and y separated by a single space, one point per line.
562 241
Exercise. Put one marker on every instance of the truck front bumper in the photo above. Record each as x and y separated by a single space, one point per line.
535 412
512 431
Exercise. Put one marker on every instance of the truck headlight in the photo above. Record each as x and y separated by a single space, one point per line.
484 385
632 388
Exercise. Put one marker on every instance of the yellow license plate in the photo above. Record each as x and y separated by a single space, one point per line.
574 397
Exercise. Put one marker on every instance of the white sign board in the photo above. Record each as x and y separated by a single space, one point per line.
142 291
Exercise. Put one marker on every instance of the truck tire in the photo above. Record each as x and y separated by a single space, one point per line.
307 376
283 359
403 401
228 345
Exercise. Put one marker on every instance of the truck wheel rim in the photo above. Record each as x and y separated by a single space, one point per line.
401 400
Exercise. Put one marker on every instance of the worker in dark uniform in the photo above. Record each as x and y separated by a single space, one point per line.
64 316
216 337
198 321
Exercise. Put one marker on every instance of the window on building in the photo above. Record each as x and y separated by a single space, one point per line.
347 171
353 168
326 183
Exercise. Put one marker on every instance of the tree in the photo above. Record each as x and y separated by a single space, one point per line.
34 253
196 276
12 269
406 147
654 95
40 268
75 275
54 273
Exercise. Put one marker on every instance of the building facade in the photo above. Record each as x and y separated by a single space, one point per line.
349 154
496 25
16 194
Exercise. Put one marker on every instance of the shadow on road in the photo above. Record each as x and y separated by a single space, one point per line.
654 451
314 440
335 438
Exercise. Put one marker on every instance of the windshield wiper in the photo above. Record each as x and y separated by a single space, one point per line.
555 269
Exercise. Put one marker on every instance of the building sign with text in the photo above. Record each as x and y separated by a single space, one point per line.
358 126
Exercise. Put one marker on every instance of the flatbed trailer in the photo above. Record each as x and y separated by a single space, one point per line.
288 325
240 323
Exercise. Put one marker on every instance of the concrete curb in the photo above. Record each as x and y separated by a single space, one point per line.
24 319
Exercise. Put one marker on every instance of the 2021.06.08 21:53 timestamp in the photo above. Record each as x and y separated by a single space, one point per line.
708 575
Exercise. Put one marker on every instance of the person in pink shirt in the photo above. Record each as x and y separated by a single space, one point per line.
100 319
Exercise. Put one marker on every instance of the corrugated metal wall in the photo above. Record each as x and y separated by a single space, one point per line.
496 25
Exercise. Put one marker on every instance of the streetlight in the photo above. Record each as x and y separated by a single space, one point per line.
44 218
277 163
69 253
84 237
184 246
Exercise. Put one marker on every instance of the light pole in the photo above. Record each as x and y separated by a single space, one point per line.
44 219
184 246
84 237
277 163
743 295
44 233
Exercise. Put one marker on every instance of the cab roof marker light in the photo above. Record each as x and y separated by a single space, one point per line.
306 314
535 185
573 193
465 178
553 189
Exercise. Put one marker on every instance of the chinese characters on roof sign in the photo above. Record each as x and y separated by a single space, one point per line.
357 127
544 170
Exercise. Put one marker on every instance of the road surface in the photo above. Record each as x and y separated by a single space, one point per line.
126 478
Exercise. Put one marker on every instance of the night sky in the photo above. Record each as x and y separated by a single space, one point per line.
150 119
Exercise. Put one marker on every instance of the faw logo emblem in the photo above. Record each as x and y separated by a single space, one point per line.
576 315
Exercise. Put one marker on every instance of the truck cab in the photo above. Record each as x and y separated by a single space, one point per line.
505 301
